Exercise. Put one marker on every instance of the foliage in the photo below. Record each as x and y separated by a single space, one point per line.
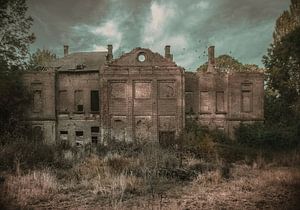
15 36
268 137
29 154
282 95
283 63
288 21
15 39
40 59
226 63
14 98
279 111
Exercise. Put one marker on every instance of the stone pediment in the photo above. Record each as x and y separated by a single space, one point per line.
142 57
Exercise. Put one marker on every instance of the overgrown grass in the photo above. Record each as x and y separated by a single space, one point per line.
119 171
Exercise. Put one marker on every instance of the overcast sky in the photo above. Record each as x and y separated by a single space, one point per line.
241 28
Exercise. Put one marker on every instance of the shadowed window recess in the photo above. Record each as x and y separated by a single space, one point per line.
94 100
95 132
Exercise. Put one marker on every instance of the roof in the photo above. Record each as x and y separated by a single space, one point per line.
80 61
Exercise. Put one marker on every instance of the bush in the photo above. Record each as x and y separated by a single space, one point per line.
268 137
28 153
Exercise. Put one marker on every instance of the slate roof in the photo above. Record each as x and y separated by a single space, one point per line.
80 61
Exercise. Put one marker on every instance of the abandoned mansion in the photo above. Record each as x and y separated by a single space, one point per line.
90 97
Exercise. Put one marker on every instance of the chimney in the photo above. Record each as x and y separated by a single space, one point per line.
168 54
211 59
211 55
66 50
109 55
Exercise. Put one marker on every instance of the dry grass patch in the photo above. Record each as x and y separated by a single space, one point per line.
30 188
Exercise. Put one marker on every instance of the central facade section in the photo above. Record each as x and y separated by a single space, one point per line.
142 98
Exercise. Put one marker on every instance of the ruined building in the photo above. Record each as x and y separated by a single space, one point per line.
89 97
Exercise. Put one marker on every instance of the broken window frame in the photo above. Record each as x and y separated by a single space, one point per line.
79 138
95 135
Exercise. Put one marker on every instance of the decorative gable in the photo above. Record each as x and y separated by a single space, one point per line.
142 57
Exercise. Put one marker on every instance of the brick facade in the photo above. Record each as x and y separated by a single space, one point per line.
139 97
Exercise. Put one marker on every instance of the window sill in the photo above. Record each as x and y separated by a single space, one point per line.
77 112
95 112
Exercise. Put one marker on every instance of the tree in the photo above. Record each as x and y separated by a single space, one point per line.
226 63
288 21
282 64
14 98
15 36
40 59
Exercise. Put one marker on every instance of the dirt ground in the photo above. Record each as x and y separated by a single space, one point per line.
254 189
246 188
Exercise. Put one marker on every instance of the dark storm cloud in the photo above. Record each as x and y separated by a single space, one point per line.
240 28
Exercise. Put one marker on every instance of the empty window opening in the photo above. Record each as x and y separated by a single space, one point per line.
94 139
79 133
79 101
95 129
94 100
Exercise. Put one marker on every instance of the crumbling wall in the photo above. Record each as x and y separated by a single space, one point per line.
76 118
145 90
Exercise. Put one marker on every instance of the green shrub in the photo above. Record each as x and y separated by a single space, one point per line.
268 137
